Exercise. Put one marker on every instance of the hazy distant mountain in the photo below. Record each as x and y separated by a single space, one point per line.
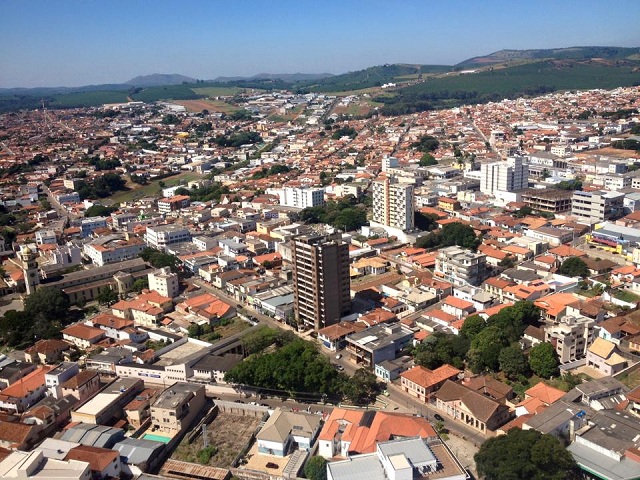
575 53
287 77
159 79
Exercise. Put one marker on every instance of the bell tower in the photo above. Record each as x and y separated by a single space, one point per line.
29 269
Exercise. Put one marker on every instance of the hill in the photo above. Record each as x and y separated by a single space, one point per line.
287 77
495 84
371 77
576 53
159 79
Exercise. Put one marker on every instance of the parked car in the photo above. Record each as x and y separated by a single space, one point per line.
339 368
438 417
338 356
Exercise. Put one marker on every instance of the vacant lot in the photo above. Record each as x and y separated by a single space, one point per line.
227 433
631 379
151 189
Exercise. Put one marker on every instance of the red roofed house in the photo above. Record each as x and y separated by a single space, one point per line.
457 307
421 382
104 463
46 351
206 306
348 432
82 335
26 392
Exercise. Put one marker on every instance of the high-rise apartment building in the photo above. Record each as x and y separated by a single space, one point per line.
165 282
507 176
321 280
393 204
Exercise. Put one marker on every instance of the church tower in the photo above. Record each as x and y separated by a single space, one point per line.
30 269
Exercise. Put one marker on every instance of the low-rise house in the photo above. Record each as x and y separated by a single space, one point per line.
26 392
93 435
46 351
82 386
24 465
138 455
377 344
421 382
284 431
349 432
58 375
605 357
214 367
103 463
471 407
82 336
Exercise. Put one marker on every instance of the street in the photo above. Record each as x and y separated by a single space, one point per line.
467 440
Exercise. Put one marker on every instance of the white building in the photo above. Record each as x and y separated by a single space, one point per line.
389 162
113 249
164 282
46 237
393 204
507 176
160 236
301 197
24 465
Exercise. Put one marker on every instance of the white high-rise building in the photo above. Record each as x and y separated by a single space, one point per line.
301 197
507 176
393 204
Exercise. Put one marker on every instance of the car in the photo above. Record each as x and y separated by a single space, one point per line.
438 417
272 465
339 368
338 356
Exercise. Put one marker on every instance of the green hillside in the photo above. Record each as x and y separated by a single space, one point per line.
575 53
495 84
370 77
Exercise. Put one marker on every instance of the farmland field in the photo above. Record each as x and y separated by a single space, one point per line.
88 99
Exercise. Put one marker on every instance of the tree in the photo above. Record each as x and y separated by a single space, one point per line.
316 468
525 455
543 360
513 362
507 262
574 267
106 296
362 388
99 211
427 160
485 350
48 302
139 285
472 326
159 259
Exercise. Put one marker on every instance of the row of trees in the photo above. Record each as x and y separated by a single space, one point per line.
267 172
237 139
295 367
451 234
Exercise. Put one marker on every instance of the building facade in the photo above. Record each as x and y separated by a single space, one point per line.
164 282
301 197
461 267
507 176
393 204
598 206
321 280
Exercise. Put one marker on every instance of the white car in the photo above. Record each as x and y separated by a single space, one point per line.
338 356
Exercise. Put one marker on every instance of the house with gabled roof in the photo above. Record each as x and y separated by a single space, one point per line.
471 407
605 357
421 382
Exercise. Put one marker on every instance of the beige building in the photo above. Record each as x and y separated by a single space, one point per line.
176 408
393 204
571 337
164 282
321 280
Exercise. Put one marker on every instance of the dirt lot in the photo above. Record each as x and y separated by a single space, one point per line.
228 433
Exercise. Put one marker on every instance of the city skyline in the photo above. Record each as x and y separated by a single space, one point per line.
81 43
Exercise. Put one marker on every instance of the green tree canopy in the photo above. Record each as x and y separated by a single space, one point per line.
451 234
107 296
513 361
159 259
99 211
441 348
574 267
362 388
316 468
472 326
426 143
428 160
543 360
485 350
525 455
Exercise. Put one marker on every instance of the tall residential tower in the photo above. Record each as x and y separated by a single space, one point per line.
321 280
393 204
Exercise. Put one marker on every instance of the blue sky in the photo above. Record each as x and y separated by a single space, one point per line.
81 42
